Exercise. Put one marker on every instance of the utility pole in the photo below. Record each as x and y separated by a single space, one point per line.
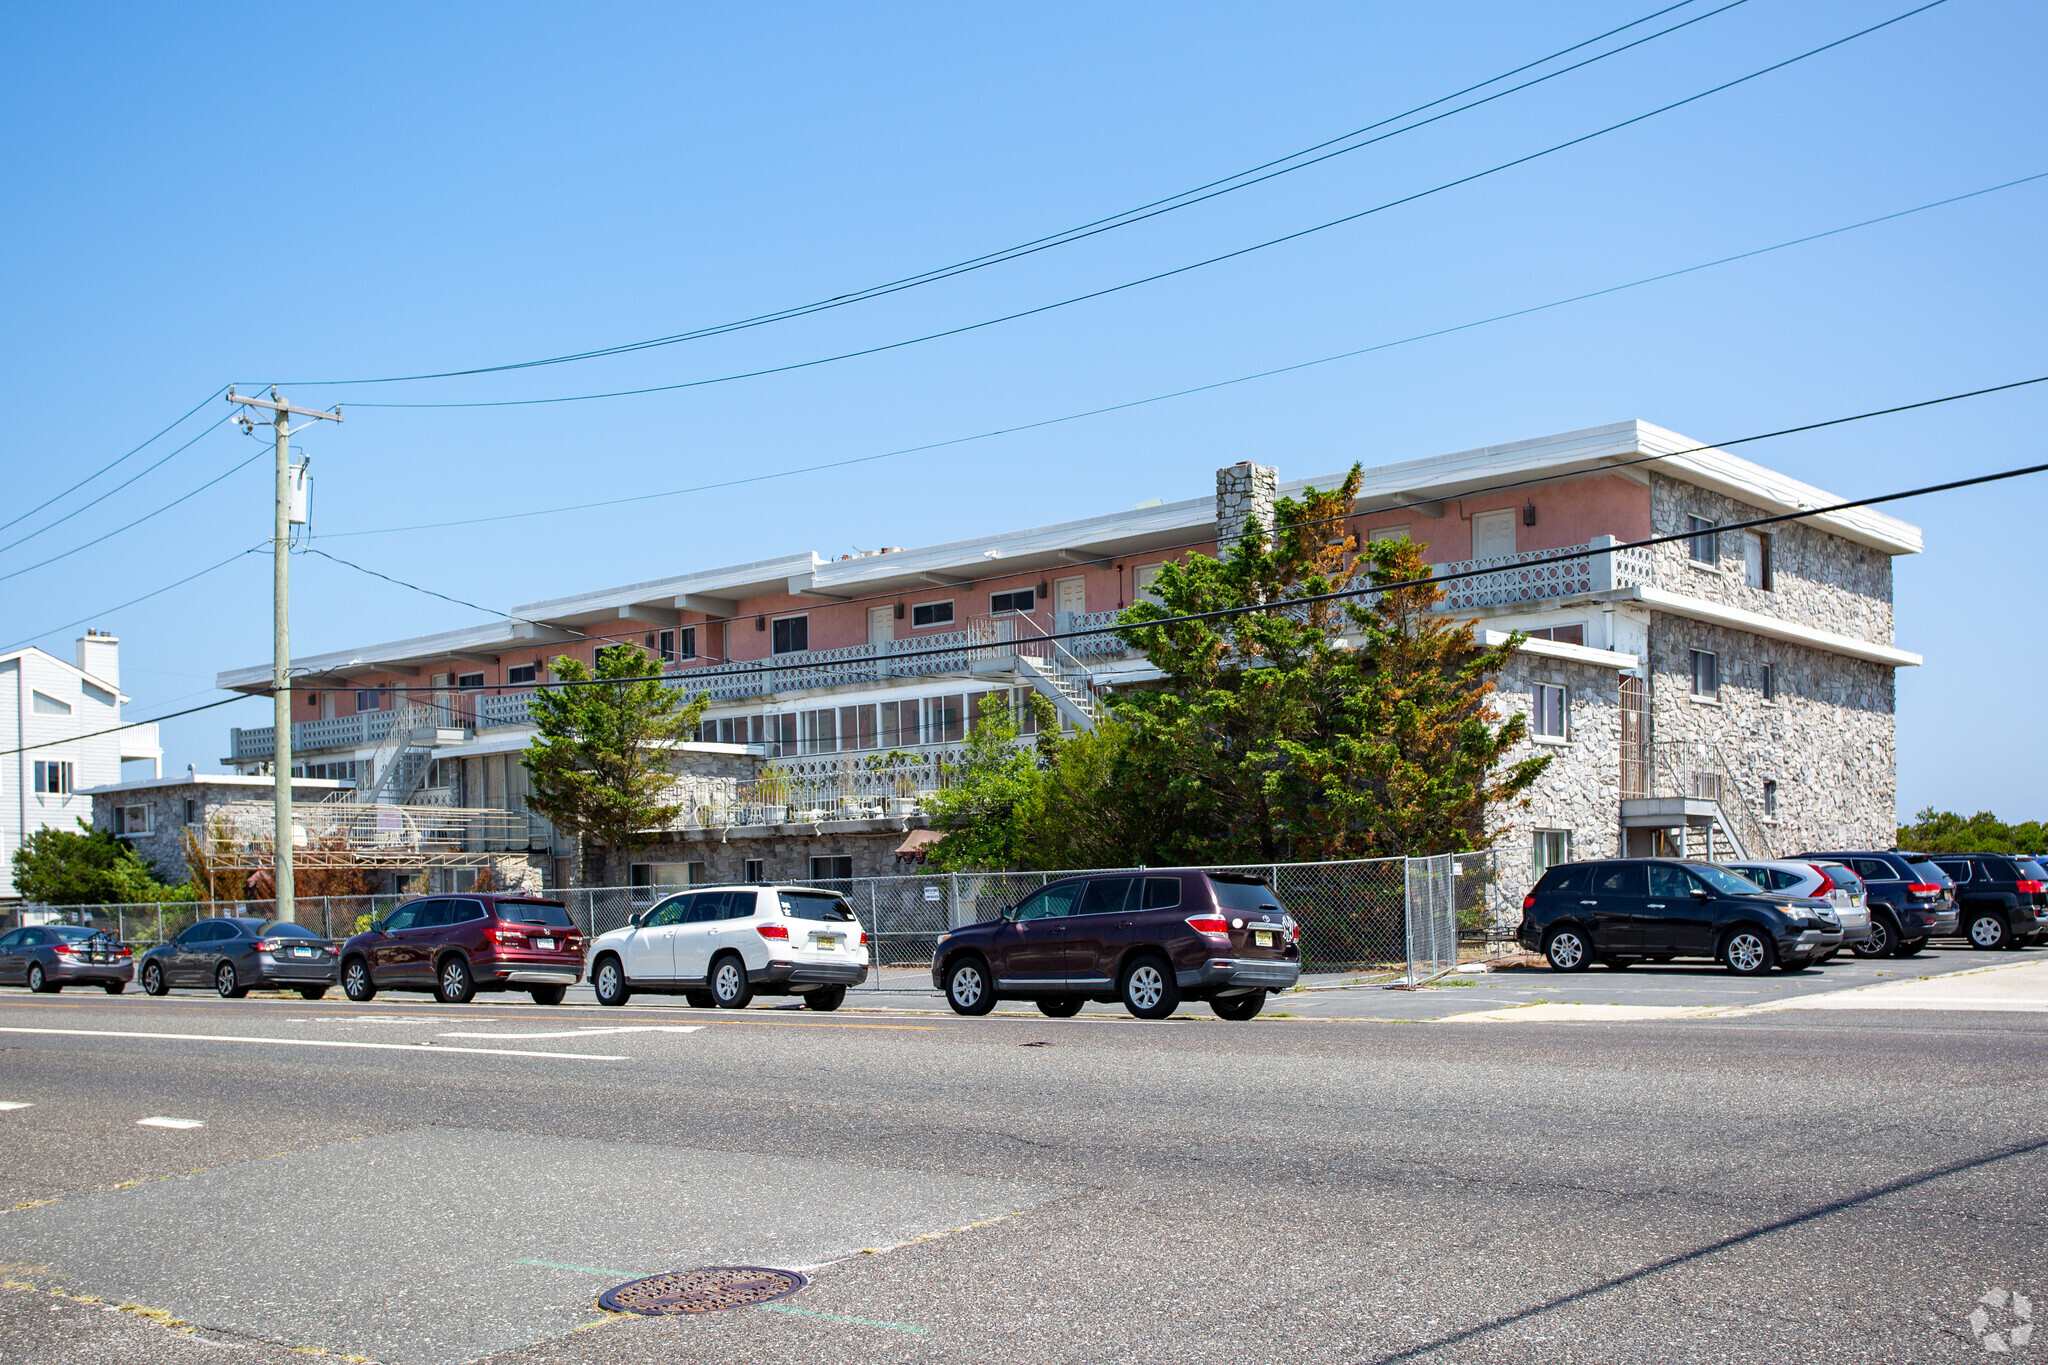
281 414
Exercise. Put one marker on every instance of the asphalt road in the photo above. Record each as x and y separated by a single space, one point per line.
376 1181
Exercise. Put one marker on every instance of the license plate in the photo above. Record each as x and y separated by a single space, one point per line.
544 943
302 952
825 941
1264 939
99 957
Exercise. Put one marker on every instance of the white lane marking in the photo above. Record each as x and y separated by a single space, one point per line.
312 1042
16 1104
170 1123
585 1032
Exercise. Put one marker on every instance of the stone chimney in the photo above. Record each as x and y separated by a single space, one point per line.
1244 490
100 655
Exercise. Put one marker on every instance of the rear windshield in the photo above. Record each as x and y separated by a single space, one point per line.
1927 872
280 929
813 905
553 914
1841 876
1243 895
70 933
2031 870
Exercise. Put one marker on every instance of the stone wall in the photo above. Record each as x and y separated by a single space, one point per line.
1244 490
1827 740
1580 792
1819 579
784 856
164 846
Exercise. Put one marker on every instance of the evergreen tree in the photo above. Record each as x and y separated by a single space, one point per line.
91 867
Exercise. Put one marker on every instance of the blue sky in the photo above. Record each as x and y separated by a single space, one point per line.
202 195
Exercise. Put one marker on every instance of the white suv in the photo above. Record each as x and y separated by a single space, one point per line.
723 945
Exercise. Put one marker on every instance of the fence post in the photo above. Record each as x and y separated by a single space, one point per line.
875 919
952 899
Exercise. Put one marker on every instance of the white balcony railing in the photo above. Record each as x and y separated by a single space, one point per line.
1536 575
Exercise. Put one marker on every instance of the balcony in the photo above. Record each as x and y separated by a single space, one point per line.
1537 575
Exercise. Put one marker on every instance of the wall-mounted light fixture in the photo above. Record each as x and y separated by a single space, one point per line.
899 606
1042 590
1529 514
760 623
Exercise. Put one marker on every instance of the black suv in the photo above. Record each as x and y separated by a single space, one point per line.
1150 940
1630 909
2002 901
1910 900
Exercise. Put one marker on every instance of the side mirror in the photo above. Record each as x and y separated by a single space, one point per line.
635 919
1699 893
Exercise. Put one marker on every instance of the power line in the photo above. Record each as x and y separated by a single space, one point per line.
1177 270
1185 198
134 724
112 463
154 592
139 520
1198 388
86 506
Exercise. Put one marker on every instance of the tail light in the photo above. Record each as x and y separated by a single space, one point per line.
2028 887
1924 889
269 945
333 949
1827 883
772 930
68 949
1529 901
511 938
863 938
123 950
1215 925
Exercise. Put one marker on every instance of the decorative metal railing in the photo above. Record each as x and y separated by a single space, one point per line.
348 834
1535 575
805 791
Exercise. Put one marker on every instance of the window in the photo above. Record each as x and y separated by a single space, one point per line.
135 819
49 706
1162 893
757 870
1387 533
651 880
192 810
469 682
599 654
1547 712
1564 635
1054 902
665 646
818 905
1756 560
1023 599
1770 797
831 869
792 634
942 717
1706 674
518 674
1768 675
931 614
1668 883
1551 847
1141 584
372 698
53 778
686 643
1105 896
1700 545
1619 879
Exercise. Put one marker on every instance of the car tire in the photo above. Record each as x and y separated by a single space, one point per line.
1884 936
453 985
700 1000
312 992
1747 951
548 995
1988 930
1566 950
608 979
1238 1008
1909 947
825 999
39 980
1060 1006
969 988
356 982
228 982
113 987
153 980
729 982
1148 988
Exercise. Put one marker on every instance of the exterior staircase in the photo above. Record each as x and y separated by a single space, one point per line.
399 766
1069 690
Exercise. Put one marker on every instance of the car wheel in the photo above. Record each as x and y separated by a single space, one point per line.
1061 1006
114 987
700 1000
548 995
1909 947
1148 988
39 980
609 981
153 982
1747 952
729 983
356 982
1988 931
825 999
968 989
312 992
228 983
1238 1008
1566 950
452 984
1883 934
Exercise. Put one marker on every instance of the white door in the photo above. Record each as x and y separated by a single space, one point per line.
651 949
1069 596
881 625
1493 535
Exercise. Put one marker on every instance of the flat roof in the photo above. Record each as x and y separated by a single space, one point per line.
214 780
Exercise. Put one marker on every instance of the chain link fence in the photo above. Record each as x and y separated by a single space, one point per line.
1371 919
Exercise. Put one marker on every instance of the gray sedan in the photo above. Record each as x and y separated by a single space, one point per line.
49 957
235 955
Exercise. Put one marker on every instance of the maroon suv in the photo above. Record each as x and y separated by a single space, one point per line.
456 946
1150 939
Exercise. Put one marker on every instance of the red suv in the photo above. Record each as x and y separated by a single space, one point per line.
456 946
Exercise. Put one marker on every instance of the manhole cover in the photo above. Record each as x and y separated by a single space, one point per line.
702 1290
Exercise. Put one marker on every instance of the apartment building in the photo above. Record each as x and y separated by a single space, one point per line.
54 719
1727 693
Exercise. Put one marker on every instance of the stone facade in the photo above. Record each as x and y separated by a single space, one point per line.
1580 792
784 852
1818 579
174 805
1244 490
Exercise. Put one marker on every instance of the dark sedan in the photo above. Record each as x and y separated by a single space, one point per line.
1633 909
235 956
49 957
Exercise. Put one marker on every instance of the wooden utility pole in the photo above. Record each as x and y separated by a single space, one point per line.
281 414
